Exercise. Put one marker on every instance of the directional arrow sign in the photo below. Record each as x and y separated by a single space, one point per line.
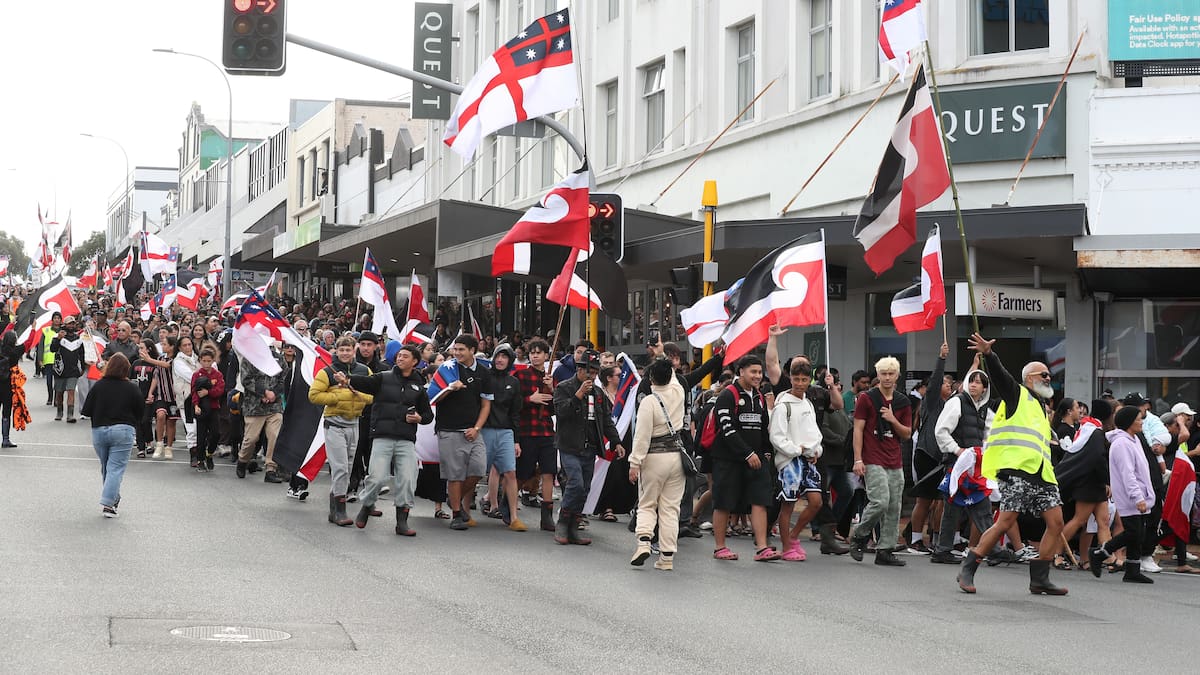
267 5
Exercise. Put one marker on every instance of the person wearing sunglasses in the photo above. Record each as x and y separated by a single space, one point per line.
1017 457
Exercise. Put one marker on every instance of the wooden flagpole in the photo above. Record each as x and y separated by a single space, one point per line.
854 126
962 234
1049 111
714 141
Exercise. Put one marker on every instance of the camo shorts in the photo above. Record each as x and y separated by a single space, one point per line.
1025 496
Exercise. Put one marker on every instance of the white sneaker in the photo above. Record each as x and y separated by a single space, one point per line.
706 526
1148 565
158 450
224 451
384 490
352 497
1191 557
1027 553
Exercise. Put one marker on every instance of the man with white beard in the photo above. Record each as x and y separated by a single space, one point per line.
1017 456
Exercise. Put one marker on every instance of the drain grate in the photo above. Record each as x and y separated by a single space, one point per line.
231 633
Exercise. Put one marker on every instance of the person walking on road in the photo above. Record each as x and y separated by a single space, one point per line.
114 406
1017 457
343 407
400 404
10 369
1133 494
656 465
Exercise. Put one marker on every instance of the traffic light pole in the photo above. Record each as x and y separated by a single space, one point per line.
709 203
429 80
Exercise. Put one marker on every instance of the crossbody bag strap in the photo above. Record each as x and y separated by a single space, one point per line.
667 415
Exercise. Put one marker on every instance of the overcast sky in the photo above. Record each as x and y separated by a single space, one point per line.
82 66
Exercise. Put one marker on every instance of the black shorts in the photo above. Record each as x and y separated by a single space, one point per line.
735 485
537 453
922 467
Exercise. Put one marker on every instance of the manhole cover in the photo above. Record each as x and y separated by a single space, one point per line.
230 634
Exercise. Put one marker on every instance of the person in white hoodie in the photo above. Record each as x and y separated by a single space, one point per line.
796 438
963 425
656 465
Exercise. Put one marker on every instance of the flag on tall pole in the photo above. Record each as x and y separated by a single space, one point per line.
540 242
417 327
373 292
476 331
531 75
912 174
919 306
190 289
37 310
901 29
786 288
608 290
252 329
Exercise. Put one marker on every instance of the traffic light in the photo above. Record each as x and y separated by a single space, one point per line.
254 37
686 285
608 231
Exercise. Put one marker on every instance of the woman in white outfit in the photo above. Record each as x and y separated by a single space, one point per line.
183 366
656 465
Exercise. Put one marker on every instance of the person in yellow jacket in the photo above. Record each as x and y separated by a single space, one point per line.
45 355
343 407
1016 455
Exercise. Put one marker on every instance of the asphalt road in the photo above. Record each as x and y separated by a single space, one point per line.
79 593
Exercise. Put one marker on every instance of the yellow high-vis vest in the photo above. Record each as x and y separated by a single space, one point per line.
1020 442
48 336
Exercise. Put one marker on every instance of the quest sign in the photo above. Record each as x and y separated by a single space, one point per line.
431 56
999 123
1010 302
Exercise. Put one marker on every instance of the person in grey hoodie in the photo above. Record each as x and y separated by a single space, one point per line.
1133 494
963 424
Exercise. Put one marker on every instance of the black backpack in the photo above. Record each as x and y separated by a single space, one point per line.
899 402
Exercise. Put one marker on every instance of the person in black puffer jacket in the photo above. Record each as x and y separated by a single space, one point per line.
400 405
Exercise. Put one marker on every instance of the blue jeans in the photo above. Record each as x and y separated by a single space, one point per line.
577 470
112 445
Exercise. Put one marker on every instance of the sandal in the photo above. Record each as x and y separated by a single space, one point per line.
1186 569
441 515
767 554
141 454
1061 563
724 553
609 516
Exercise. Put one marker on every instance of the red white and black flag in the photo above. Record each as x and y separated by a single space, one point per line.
919 306
190 289
417 327
540 242
912 174
37 311
786 288
591 282
63 245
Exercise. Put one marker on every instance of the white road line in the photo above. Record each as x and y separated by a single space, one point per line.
132 461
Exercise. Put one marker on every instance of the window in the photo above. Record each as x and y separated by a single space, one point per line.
316 174
820 48
745 70
614 9
521 23
300 182
494 10
610 124
494 176
476 45
655 103
516 168
549 175
999 26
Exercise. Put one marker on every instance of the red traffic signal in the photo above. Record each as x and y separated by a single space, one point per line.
606 216
255 37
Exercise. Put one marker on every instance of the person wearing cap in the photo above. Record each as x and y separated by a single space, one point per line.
367 354
499 436
1018 459
1133 495
462 412
67 348
584 423
1154 439
262 413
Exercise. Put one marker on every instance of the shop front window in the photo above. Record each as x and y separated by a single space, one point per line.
1151 347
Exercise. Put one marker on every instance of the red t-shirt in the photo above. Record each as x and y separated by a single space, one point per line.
883 451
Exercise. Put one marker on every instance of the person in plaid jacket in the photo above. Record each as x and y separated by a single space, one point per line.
535 433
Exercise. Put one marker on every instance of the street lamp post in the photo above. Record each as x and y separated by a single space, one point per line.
126 199
227 260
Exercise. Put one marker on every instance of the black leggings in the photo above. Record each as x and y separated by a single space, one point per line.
207 434
1132 538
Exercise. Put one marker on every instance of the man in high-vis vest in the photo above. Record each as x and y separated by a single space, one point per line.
1017 456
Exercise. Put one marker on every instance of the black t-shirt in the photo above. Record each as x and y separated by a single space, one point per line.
459 410
143 374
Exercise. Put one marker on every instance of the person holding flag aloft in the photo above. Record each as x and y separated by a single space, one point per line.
1017 457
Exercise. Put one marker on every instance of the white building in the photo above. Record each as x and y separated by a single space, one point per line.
140 199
